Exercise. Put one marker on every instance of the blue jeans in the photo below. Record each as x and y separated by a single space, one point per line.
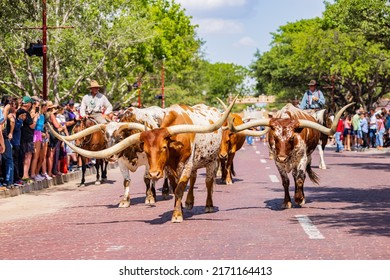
249 140
372 137
339 143
8 162
379 137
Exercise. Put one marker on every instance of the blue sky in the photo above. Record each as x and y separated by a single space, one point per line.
234 29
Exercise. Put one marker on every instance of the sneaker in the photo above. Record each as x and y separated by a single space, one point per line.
27 180
40 177
37 178
47 176
19 183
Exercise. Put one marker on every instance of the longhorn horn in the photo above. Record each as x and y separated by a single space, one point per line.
176 129
222 103
85 132
131 125
106 153
245 126
324 130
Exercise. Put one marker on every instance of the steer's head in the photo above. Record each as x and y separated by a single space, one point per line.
161 148
283 137
230 142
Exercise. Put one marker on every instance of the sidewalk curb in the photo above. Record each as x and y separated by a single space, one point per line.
58 180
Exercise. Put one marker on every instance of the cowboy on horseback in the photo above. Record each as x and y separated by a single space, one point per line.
313 98
95 105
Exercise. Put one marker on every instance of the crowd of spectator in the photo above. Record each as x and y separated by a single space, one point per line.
363 130
28 150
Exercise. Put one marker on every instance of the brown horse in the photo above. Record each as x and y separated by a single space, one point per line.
93 142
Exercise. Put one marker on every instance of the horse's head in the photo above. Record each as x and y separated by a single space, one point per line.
94 141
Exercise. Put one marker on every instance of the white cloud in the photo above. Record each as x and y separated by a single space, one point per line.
245 42
210 4
219 26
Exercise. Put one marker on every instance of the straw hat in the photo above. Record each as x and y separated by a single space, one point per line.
51 105
312 83
94 84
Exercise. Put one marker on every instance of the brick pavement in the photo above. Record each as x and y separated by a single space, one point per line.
349 208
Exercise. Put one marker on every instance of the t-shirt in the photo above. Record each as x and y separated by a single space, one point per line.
27 132
356 122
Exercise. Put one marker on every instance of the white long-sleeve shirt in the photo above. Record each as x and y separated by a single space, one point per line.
95 104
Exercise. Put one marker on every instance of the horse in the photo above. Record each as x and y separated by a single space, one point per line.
325 118
94 142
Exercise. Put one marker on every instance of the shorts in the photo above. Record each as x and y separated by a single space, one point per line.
37 136
348 131
358 134
27 147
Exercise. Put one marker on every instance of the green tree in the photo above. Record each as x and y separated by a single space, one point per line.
115 42
348 65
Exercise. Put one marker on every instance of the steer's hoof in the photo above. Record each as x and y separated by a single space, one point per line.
229 182
165 196
189 205
300 201
150 200
124 204
177 219
287 205
81 185
97 183
209 209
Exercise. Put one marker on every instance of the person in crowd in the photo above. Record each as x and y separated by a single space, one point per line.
313 98
54 143
38 130
61 157
27 138
95 104
364 129
338 135
372 131
42 165
8 127
380 131
386 119
347 132
17 153
357 130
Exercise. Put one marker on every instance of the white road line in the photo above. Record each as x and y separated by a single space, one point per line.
263 161
274 178
310 229
115 248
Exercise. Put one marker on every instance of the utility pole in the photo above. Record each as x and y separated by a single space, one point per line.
162 86
44 29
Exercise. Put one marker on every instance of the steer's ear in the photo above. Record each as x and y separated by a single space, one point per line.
139 147
296 125
176 145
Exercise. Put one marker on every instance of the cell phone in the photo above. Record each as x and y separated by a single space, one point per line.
36 109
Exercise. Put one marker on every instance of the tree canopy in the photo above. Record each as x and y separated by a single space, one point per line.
344 50
118 43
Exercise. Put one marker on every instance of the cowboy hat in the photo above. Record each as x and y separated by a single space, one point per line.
312 83
51 105
94 84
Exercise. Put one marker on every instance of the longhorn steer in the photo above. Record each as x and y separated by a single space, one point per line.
178 147
230 144
132 157
293 137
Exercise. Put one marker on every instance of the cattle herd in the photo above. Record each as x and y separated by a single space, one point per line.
175 142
